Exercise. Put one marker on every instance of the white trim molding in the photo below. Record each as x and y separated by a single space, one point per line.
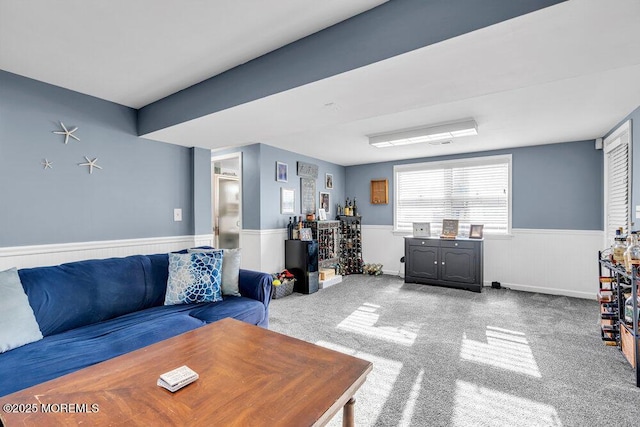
59 253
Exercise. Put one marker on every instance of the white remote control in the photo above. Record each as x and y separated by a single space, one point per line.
176 379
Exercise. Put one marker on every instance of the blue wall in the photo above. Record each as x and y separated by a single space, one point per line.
555 186
133 196
261 191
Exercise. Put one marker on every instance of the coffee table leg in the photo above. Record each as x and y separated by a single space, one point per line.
348 413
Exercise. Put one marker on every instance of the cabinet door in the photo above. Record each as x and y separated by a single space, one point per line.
458 265
422 261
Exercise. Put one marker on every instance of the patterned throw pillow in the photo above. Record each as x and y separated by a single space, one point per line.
230 269
194 278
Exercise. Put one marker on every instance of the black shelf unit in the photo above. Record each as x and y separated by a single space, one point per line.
350 253
612 308
301 259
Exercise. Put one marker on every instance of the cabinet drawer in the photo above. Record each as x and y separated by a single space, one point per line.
424 242
457 244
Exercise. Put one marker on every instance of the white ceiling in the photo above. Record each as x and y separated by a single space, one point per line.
565 73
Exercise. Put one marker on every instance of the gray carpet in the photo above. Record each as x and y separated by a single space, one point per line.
447 357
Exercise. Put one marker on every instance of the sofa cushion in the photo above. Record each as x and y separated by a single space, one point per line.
245 309
18 325
194 278
90 291
63 353
230 269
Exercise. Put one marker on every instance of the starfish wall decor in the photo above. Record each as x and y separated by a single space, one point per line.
47 164
67 133
91 163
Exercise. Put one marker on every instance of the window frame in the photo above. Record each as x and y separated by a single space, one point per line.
463 162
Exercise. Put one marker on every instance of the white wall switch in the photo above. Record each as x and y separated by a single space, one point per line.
177 214
637 211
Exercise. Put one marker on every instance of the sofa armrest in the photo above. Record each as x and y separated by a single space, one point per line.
255 285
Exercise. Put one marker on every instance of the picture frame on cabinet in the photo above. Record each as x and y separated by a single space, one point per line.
449 228
325 202
282 172
475 232
287 200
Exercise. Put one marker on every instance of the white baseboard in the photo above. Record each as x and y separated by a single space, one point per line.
54 254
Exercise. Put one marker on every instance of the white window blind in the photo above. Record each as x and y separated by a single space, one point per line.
617 182
473 191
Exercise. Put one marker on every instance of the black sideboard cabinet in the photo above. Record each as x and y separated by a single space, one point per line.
301 259
446 262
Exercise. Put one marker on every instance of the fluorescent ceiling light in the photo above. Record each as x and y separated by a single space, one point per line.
440 132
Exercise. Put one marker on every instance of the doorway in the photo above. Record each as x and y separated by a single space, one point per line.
227 200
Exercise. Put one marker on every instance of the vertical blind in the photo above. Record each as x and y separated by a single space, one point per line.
475 191
617 190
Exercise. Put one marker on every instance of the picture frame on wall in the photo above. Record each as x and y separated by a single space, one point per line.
475 232
287 200
282 172
325 202
328 181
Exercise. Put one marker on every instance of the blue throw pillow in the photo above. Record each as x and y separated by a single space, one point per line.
194 278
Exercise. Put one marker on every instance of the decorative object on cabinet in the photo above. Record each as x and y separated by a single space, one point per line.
328 181
379 191
287 200
449 228
421 229
350 245
475 232
307 195
47 164
454 263
305 234
91 164
282 172
325 202
67 133
322 214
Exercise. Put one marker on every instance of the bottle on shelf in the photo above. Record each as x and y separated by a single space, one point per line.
619 247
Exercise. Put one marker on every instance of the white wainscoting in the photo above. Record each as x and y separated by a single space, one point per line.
44 255
558 262
263 250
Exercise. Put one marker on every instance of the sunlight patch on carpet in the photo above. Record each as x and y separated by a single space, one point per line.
373 394
481 406
364 319
504 349
410 406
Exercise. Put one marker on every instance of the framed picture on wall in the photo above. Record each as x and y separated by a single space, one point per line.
325 202
287 200
328 181
282 172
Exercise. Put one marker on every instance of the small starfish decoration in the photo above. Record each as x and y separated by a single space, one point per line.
67 133
47 164
91 163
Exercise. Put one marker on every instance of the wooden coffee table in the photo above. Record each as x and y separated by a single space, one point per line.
249 376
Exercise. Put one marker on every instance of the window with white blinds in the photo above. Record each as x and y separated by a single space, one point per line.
617 192
473 191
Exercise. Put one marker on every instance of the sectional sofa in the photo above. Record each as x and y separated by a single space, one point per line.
91 311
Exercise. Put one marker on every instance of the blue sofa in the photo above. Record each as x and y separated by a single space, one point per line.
91 311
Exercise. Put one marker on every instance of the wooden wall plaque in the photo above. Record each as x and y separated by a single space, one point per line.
379 191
